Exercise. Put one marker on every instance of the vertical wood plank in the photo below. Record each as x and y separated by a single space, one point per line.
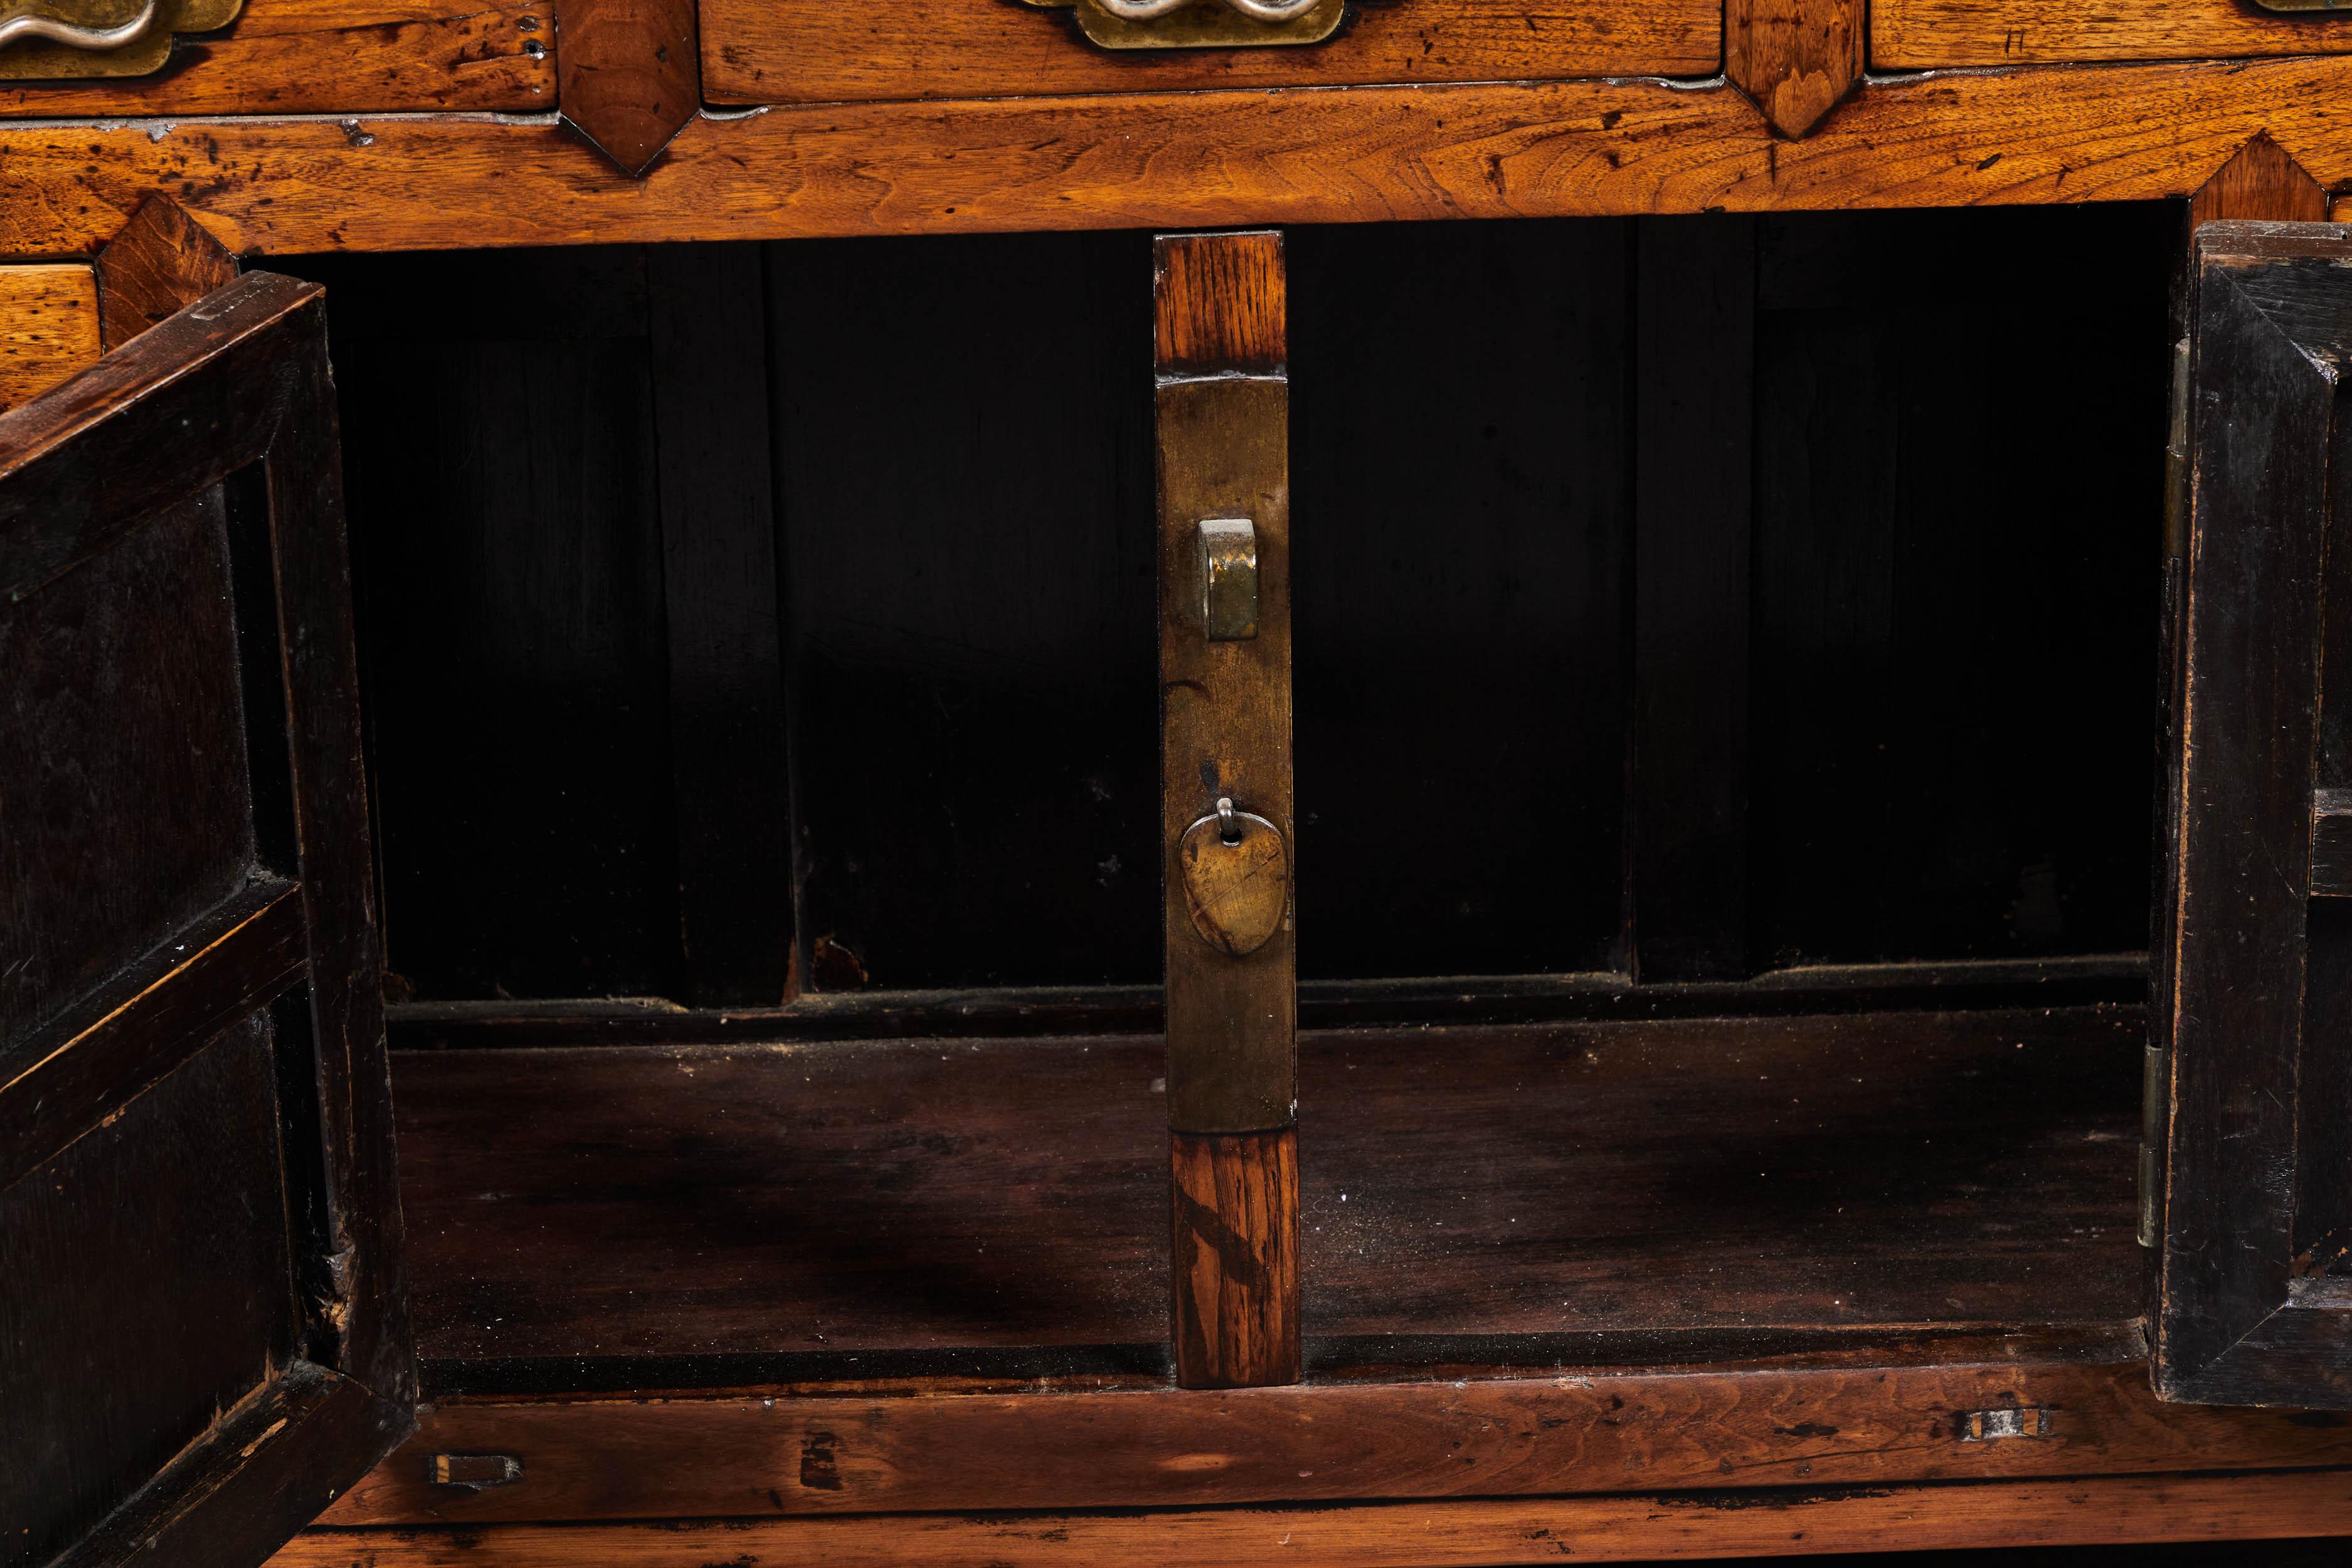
1694 448
49 327
1236 1226
161 261
1795 57
1222 430
707 319
628 75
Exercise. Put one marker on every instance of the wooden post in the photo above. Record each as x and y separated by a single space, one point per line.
1229 852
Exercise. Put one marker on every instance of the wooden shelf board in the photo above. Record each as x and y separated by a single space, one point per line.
1589 1192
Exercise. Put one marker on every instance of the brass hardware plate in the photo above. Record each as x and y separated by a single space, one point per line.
1228 578
1206 25
1222 422
40 59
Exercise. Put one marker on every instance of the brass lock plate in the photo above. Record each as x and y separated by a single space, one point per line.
1236 879
1204 25
44 59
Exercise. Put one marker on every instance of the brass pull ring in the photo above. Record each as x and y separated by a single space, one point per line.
26 25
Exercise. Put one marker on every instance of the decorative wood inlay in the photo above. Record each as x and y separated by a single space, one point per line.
49 327
2263 181
161 261
628 76
1795 57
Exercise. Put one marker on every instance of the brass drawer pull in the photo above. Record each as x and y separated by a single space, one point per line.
50 29
1255 10
1205 24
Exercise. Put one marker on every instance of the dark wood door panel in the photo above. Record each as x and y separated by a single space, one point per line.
202 1329
2252 1305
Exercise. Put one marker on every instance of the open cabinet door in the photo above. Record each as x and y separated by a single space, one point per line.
2250 1148
202 1335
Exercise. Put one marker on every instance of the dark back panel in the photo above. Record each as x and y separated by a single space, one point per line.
1958 491
1460 468
963 432
501 466
122 679
1956 468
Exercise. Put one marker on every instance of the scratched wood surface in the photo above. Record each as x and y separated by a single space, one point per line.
1471 1534
990 1197
815 51
2103 134
1909 34
328 57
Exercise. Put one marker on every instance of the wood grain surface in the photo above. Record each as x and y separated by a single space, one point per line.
815 51
1220 305
333 57
49 327
2059 135
1795 57
851 1201
1471 1534
1236 1266
752 1456
1907 34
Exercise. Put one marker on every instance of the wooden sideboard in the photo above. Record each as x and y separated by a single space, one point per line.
601 957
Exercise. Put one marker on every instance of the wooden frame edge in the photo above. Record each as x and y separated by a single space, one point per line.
2036 135
1465 1534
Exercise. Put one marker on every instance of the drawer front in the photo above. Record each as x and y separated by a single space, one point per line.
305 57
820 51
1907 35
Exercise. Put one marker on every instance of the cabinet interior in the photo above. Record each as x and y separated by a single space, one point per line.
773 965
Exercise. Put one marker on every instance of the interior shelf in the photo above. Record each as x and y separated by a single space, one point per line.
1523 1195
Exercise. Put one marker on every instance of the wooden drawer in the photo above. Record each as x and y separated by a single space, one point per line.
1917 34
325 57
815 51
